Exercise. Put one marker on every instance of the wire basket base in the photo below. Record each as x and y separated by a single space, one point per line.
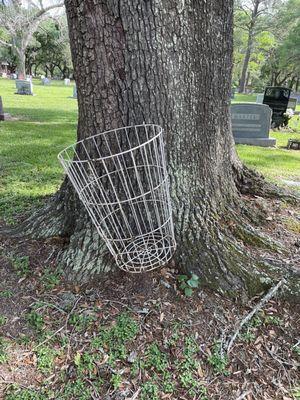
146 253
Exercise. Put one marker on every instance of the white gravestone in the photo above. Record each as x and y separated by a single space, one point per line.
67 82
46 82
75 92
24 87
251 124
259 98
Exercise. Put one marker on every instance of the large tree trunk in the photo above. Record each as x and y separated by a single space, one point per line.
167 63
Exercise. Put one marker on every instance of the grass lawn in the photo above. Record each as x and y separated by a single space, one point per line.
45 123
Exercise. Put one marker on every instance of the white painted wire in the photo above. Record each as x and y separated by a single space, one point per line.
121 178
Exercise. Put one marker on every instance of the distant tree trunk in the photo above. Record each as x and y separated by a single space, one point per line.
250 40
170 64
21 67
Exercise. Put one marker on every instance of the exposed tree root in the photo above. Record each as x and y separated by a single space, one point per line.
251 182
216 250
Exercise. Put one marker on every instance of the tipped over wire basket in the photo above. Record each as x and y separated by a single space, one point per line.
121 178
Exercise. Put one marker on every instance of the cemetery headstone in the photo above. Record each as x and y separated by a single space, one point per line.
277 98
4 75
67 81
292 103
251 124
259 98
13 76
46 81
24 87
3 116
296 95
74 92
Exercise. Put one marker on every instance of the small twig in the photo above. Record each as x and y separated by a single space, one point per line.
243 395
61 328
135 396
248 317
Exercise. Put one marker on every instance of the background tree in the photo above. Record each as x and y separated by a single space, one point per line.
49 52
20 20
282 65
251 17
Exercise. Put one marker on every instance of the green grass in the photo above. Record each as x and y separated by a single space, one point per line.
45 123
278 163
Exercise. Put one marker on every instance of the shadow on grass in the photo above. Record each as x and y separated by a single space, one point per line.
42 115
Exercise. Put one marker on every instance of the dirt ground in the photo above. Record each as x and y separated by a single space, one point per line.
263 363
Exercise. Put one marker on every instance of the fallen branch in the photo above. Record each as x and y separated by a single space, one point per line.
249 316
243 395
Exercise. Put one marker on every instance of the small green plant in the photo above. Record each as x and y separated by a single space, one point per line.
150 391
21 265
50 279
116 380
273 320
3 354
296 349
6 294
86 363
248 336
3 320
218 361
81 322
76 390
35 320
187 285
156 359
296 393
115 338
16 393
45 359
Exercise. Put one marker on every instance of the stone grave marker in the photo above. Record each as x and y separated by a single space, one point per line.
46 81
3 116
259 98
24 87
296 95
251 124
277 98
292 103
67 82
75 92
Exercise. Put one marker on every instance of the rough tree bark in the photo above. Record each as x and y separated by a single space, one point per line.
165 62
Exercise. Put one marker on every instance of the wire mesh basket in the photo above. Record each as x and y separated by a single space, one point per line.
121 178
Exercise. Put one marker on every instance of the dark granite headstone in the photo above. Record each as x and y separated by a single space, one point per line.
251 124
277 98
